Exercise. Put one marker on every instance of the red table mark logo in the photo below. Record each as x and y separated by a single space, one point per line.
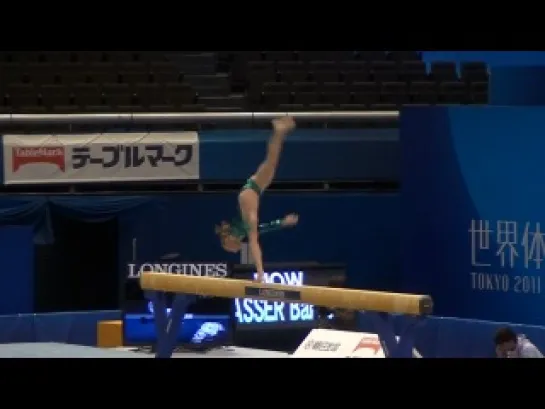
29 155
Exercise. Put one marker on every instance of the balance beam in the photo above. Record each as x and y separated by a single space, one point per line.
321 296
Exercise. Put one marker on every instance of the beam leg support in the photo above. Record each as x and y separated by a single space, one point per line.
401 346
167 325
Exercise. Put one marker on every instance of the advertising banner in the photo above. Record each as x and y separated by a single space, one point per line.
473 216
93 158
323 343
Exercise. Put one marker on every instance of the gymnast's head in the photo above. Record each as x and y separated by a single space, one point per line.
228 241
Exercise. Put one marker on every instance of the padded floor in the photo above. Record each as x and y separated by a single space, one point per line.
52 350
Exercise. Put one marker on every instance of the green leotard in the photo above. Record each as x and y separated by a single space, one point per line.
240 228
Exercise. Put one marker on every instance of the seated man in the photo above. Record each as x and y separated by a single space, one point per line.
510 345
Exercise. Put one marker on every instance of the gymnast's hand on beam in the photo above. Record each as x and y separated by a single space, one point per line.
260 277
290 220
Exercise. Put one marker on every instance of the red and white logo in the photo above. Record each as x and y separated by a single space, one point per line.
33 155
371 344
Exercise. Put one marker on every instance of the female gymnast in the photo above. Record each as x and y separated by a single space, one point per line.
246 225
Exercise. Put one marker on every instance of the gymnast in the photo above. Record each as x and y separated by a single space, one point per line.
246 225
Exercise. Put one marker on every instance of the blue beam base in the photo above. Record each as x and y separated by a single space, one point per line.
392 346
167 323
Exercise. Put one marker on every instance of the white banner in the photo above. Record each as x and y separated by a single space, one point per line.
92 158
323 343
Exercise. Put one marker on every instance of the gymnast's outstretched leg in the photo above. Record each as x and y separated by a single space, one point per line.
267 170
250 195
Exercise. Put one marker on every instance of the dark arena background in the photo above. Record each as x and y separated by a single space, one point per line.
411 172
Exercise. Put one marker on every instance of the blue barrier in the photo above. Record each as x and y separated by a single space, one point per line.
318 154
473 197
439 338
67 328
458 338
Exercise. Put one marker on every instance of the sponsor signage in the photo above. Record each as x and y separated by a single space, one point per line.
93 158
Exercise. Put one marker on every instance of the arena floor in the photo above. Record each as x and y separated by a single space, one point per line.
52 350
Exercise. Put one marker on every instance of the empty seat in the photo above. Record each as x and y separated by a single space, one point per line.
401 56
394 93
324 76
291 107
325 55
192 108
86 88
291 66
479 93
356 76
25 101
322 66
14 57
304 87
11 73
333 87
372 55
272 100
293 76
279 55
139 66
336 98
20 88
413 71
150 95
260 72
322 106
353 66
453 92
55 89
384 71
443 71
423 93
116 89
121 57
134 77
365 93
88 57
354 107
386 75
474 72
123 102
40 77
229 103
163 66
101 77
179 94
72 77
276 87
306 98
91 101
164 77
59 103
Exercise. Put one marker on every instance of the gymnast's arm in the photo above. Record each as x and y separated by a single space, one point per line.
270 226
288 221
255 249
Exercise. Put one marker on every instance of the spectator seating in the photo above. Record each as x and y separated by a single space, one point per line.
231 81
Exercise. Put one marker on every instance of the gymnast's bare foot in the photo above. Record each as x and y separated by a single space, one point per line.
284 125
260 278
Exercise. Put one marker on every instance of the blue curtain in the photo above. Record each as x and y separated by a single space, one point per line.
36 211
98 208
